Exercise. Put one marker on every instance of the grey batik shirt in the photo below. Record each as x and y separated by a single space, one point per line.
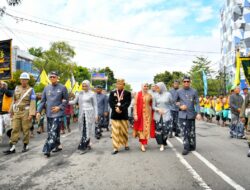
188 97
54 95
102 103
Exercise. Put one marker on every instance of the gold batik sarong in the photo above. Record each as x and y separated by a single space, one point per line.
119 133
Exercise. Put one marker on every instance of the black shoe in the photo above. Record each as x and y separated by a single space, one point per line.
47 154
177 135
83 151
185 152
7 152
114 152
170 135
192 149
127 148
57 150
248 154
25 148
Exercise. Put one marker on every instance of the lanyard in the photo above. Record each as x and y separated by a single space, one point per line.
119 97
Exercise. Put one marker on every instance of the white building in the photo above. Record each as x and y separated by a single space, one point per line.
22 60
235 34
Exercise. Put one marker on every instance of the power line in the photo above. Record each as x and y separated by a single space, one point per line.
99 36
107 46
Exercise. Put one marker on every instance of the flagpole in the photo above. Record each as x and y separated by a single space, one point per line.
40 73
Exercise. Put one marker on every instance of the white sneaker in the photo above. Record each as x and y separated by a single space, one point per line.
162 148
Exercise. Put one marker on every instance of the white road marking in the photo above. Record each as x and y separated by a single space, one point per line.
30 150
226 178
195 175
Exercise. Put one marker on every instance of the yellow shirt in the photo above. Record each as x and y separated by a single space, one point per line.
202 102
226 104
208 104
218 105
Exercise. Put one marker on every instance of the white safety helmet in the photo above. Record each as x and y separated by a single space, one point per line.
25 76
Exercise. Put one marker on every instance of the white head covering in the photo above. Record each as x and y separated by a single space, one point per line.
142 86
162 87
87 83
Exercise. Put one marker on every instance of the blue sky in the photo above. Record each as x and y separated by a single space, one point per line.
190 25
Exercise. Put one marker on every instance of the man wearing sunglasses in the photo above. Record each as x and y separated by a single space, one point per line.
54 99
188 101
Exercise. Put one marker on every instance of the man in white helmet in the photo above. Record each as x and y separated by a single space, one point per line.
22 111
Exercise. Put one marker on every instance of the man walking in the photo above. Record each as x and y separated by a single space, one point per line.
22 112
55 97
236 102
119 101
188 101
102 104
174 111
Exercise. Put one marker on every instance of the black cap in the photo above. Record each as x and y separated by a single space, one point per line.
186 78
53 73
245 88
98 86
177 81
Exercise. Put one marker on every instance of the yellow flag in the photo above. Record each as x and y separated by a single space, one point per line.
80 88
44 79
75 88
68 84
237 73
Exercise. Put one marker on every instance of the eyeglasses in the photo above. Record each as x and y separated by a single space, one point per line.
186 81
52 77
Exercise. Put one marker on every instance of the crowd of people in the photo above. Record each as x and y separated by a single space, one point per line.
153 112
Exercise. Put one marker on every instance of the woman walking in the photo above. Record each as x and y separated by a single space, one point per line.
143 117
162 106
88 115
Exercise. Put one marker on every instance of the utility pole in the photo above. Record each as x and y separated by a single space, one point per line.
224 80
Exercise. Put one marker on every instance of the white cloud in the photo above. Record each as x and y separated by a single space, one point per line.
205 14
118 20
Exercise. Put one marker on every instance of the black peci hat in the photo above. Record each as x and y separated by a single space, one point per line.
53 73
186 78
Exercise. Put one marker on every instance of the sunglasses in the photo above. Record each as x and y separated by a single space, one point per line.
52 77
186 81
84 86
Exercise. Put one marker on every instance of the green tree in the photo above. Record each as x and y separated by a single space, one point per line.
37 52
57 58
16 81
81 73
168 78
214 84
39 87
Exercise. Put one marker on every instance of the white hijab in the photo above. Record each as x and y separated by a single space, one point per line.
162 87
87 83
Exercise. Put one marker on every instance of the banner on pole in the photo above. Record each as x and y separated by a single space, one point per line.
98 76
5 60
245 62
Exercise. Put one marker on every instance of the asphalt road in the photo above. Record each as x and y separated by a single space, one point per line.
218 163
